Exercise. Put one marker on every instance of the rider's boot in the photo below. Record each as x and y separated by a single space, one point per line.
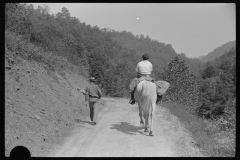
132 101
159 98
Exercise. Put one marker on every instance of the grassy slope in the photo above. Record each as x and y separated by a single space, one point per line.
42 104
212 141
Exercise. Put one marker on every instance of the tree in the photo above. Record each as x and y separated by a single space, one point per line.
184 87
209 72
218 87
43 9
65 13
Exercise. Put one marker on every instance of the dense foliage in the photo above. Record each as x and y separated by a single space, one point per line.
106 54
112 56
81 44
184 87
206 90
218 87
160 53
219 51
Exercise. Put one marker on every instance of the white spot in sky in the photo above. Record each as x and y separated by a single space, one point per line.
137 18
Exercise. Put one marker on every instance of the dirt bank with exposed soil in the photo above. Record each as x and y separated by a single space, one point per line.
42 104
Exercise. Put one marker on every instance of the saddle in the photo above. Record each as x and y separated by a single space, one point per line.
146 78
162 86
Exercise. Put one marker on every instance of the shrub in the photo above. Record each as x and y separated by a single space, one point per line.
209 136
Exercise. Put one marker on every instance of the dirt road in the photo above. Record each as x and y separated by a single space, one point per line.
119 134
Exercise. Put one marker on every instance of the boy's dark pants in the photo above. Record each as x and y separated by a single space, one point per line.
93 109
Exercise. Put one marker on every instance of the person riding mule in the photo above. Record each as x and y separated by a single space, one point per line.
146 95
143 69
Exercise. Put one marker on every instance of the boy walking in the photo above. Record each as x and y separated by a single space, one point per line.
92 96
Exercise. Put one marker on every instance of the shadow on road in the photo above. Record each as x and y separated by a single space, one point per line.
127 128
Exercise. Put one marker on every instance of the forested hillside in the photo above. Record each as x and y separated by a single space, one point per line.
83 45
218 87
218 52
160 54
210 102
104 54
205 90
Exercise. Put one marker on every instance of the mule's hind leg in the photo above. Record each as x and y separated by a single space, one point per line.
141 121
151 126
146 117
141 117
151 115
146 127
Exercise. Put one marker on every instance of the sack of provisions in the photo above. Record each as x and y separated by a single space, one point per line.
162 87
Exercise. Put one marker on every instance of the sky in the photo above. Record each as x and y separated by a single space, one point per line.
191 28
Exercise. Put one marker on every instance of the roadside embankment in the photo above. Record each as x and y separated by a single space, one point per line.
42 103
